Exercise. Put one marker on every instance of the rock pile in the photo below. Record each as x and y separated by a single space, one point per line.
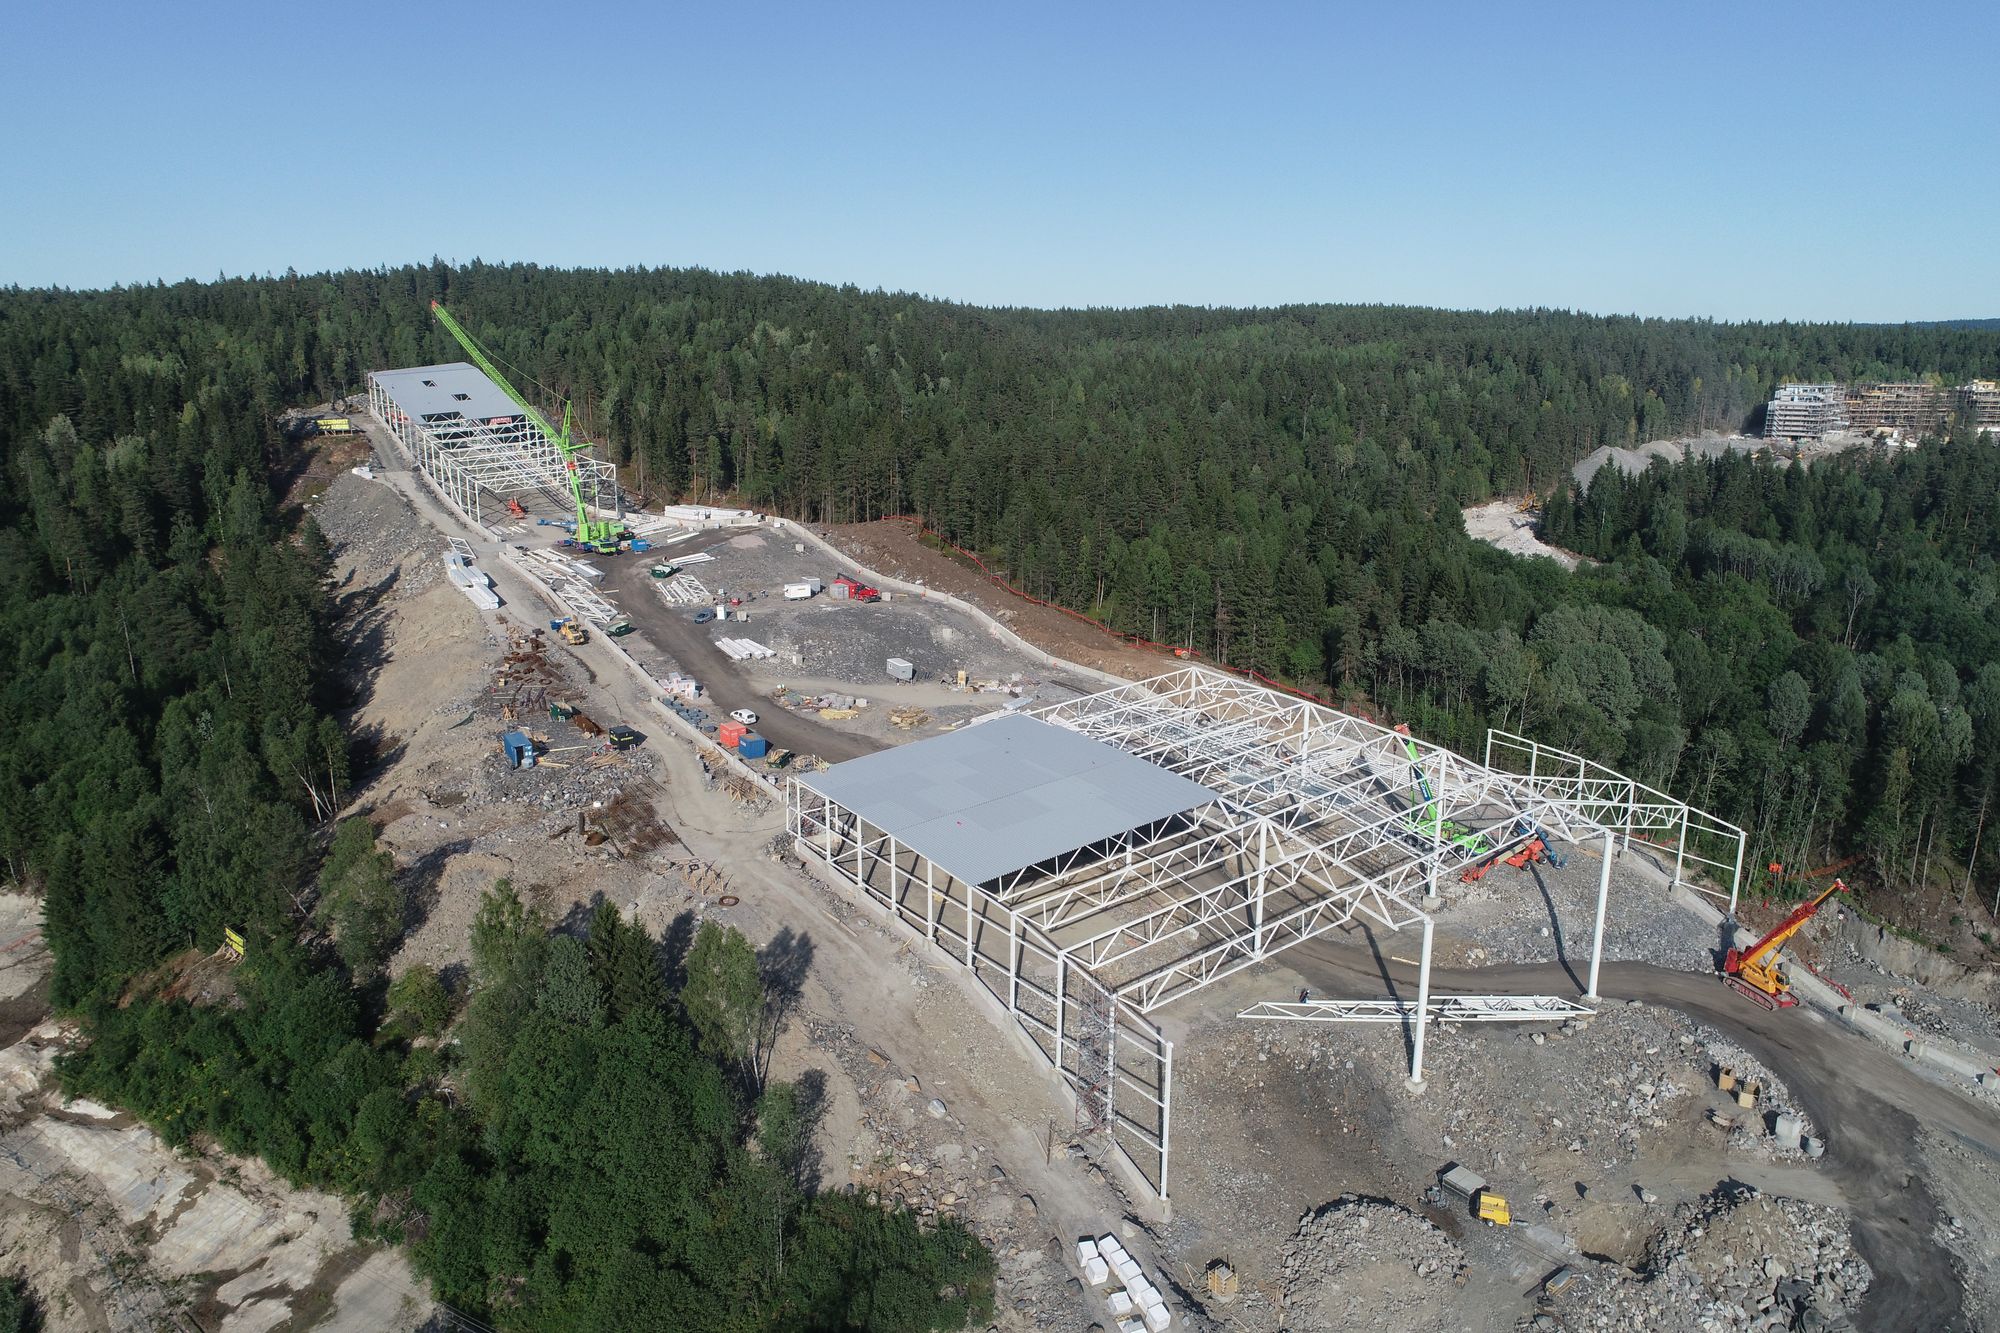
1733 1260
1367 1263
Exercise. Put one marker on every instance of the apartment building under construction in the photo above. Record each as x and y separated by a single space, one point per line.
1800 412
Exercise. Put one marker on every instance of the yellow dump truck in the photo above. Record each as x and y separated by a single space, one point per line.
1487 1206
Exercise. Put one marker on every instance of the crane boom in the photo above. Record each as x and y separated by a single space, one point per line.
1791 925
1755 971
591 534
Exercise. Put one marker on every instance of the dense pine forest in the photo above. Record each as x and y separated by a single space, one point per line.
1809 652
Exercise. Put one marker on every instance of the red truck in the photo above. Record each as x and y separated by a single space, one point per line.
854 590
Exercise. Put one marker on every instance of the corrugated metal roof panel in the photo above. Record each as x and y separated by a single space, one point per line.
987 800
434 391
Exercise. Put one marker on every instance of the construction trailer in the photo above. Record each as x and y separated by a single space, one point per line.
1092 860
477 447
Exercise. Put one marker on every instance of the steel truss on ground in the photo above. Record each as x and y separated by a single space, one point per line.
1319 820
479 465
1443 1009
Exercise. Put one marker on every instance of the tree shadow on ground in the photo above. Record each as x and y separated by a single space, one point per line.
808 1166
672 950
423 881
782 966
362 619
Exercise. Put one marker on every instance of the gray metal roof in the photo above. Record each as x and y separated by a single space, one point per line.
991 799
430 392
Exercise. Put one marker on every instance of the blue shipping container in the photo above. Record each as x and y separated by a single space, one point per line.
752 746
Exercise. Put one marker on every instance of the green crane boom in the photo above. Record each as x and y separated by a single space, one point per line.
593 534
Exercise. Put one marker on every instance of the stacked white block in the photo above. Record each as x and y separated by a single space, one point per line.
1095 1270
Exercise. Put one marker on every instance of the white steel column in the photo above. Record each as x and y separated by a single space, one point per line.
1257 909
1416 1080
1597 931
1437 851
1736 879
1166 1116
930 900
1013 962
1680 849
1062 982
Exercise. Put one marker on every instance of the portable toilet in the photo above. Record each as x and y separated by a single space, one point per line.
520 751
752 746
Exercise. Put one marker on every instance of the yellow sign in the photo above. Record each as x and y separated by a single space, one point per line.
232 941
334 423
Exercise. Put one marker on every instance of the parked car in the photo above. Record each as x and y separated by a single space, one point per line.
745 716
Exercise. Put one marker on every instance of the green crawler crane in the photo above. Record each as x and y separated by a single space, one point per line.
592 534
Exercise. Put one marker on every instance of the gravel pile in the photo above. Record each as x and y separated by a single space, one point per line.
1733 1260
1541 914
1362 1263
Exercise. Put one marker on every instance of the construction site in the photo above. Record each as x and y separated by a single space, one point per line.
1805 413
1204 1004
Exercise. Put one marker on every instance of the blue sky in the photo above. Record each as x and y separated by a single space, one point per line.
1621 158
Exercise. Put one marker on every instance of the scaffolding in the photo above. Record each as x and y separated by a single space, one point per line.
477 449
1317 819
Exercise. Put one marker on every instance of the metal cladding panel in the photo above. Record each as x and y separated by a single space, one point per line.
991 799
430 391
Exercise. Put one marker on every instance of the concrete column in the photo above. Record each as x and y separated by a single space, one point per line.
1597 931
1416 1079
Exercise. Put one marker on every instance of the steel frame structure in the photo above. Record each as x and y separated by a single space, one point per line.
468 460
1318 821
1443 1009
1698 838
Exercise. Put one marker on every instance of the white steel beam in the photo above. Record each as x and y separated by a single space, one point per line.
1441 1008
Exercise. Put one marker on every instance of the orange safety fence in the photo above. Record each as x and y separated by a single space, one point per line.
1133 640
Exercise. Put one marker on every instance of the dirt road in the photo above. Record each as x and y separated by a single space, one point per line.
1869 1102
671 629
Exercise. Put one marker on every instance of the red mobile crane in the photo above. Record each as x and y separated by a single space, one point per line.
1756 972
